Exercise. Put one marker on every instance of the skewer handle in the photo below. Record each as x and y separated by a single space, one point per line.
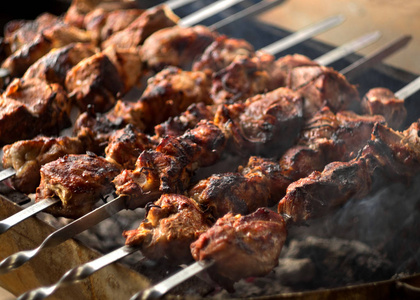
79 273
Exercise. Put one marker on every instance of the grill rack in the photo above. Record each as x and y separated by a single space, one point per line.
397 78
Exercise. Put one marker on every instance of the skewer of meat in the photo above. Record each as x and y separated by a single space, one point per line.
9 225
90 139
390 155
155 238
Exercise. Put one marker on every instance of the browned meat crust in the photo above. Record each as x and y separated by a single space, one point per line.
242 246
78 180
27 157
172 223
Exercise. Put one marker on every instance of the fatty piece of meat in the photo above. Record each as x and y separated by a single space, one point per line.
172 223
94 81
53 66
147 23
78 181
242 246
27 157
176 46
382 101
265 124
31 107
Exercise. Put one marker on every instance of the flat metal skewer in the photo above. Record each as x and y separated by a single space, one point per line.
303 34
70 230
7 173
18 217
376 57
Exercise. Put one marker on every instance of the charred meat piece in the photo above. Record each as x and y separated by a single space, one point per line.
170 92
31 107
189 119
102 24
321 86
27 157
381 101
18 33
125 146
142 27
172 223
243 78
55 36
265 124
169 167
94 81
128 64
54 65
242 246
176 46
78 180
390 155
219 54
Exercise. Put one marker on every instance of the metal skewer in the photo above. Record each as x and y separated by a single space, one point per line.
57 237
160 289
80 273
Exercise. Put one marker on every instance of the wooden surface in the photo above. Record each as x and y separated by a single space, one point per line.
112 282
392 17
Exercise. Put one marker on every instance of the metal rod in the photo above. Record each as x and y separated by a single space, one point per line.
57 237
409 89
207 12
165 286
79 273
7 173
18 217
376 57
303 34
245 13
348 48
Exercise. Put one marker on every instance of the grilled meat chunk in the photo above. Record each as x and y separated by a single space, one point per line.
219 54
265 124
142 27
242 246
78 180
55 36
102 24
390 155
54 65
31 107
176 46
189 119
125 146
322 86
172 223
381 101
27 157
94 81
169 167
169 93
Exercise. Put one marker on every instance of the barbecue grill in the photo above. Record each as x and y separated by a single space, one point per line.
124 279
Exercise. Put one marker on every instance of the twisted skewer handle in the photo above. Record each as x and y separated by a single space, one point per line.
79 273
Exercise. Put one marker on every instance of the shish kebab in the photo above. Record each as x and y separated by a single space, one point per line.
21 258
117 81
347 49
15 217
183 212
389 154
102 97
